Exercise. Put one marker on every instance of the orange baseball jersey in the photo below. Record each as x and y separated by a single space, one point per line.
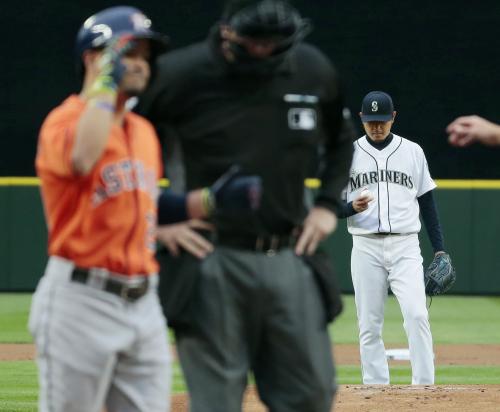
106 219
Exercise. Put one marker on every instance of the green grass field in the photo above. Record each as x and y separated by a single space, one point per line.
454 320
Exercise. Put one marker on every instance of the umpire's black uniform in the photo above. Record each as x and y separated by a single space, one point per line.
256 304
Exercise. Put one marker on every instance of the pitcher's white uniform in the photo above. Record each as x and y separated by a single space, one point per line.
386 253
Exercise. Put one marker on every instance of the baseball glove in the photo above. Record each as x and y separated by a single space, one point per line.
440 275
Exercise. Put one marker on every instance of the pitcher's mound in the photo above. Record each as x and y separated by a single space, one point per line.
392 398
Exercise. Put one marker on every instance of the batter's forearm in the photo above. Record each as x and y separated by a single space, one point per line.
232 193
100 92
92 133
173 208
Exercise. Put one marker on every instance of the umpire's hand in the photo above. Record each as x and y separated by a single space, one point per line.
319 223
184 236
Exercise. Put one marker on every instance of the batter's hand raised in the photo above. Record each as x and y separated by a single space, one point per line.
319 223
109 66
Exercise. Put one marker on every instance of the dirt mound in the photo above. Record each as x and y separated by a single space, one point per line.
394 398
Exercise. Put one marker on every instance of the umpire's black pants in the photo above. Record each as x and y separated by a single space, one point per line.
261 313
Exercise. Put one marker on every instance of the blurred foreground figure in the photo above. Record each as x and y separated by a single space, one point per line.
254 94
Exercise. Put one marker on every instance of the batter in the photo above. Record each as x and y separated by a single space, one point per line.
100 334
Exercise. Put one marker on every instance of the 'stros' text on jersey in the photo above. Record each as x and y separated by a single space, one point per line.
125 176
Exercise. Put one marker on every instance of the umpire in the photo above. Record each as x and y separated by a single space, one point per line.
254 94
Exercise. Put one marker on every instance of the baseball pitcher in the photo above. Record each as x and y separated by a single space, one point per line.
389 186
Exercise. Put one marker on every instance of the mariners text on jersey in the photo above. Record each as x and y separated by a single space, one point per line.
392 176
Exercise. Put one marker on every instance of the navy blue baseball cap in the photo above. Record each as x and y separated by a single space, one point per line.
377 107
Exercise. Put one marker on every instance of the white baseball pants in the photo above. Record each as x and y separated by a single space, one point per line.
395 261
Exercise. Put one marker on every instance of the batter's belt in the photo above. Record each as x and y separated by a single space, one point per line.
129 290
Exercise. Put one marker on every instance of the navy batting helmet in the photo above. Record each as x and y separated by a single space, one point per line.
98 29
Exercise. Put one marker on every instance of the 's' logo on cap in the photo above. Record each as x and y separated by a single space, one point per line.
374 106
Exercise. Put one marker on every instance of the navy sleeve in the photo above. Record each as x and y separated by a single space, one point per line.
428 211
171 208
345 210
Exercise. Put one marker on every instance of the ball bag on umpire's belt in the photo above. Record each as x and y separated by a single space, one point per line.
324 273
178 277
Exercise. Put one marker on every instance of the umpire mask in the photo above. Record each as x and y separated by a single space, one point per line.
275 21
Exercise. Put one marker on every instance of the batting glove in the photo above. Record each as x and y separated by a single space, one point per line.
111 67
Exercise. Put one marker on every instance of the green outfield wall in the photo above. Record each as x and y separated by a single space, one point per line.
468 211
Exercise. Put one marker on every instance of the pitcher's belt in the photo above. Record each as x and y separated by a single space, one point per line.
392 234
130 291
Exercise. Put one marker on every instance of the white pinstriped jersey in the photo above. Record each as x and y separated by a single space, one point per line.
396 176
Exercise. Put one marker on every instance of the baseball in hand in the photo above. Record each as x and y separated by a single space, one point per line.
366 192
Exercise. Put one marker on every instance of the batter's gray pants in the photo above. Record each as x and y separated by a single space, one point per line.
96 349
